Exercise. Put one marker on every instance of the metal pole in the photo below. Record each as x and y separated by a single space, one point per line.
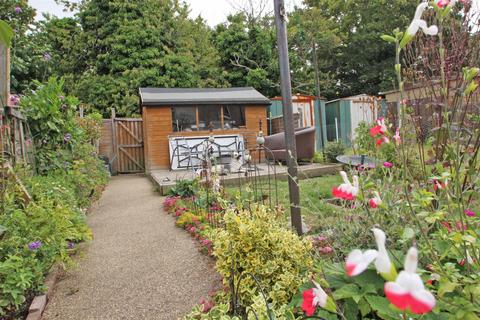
280 21
317 85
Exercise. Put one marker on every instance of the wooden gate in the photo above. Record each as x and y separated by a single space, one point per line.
128 145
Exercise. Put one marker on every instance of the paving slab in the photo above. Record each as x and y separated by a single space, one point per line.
139 265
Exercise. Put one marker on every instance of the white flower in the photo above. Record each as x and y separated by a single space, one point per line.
419 23
358 261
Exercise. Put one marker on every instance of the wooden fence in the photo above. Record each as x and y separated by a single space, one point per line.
122 144
16 144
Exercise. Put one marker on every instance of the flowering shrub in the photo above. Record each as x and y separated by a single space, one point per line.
424 196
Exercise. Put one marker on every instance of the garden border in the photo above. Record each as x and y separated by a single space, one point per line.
40 302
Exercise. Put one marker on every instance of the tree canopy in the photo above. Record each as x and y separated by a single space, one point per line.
111 48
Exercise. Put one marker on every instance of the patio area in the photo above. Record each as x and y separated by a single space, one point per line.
165 179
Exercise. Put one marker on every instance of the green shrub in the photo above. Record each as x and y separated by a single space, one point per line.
36 234
184 188
259 245
52 219
363 140
334 149
318 158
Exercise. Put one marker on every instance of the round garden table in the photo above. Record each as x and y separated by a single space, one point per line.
360 160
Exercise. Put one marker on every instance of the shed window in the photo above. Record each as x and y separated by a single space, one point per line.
184 119
233 117
209 117
206 117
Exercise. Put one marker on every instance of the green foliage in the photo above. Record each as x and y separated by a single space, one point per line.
258 245
53 218
186 219
184 188
218 312
6 33
158 46
51 118
364 143
358 60
334 149
247 46
72 177
318 158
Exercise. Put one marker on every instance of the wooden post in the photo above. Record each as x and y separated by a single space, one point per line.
4 74
286 85
114 144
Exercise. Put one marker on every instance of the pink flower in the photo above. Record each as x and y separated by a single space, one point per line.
312 298
387 164
375 201
408 292
447 226
442 3
346 190
469 213
326 250
397 138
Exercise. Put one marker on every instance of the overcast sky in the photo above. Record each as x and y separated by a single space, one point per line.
214 11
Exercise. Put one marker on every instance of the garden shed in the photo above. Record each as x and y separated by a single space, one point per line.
342 116
174 117
307 112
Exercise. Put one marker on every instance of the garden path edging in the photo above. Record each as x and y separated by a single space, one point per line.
39 303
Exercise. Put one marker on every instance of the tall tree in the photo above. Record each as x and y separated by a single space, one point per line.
362 63
309 34
247 51
28 58
142 43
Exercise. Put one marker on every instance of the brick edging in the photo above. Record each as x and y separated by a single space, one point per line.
39 303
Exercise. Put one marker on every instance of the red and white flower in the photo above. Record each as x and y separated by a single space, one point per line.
439 185
346 190
408 291
358 261
382 140
380 128
376 201
316 297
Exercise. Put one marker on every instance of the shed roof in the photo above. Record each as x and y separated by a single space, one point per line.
200 96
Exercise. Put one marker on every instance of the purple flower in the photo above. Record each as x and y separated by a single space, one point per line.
18 10
67 137
15 100
34 245
61 98
71 245
387 164
47 56
470 213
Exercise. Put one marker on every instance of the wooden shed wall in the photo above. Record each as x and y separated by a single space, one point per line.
158 128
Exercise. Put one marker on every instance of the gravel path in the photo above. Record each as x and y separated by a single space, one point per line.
139 265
